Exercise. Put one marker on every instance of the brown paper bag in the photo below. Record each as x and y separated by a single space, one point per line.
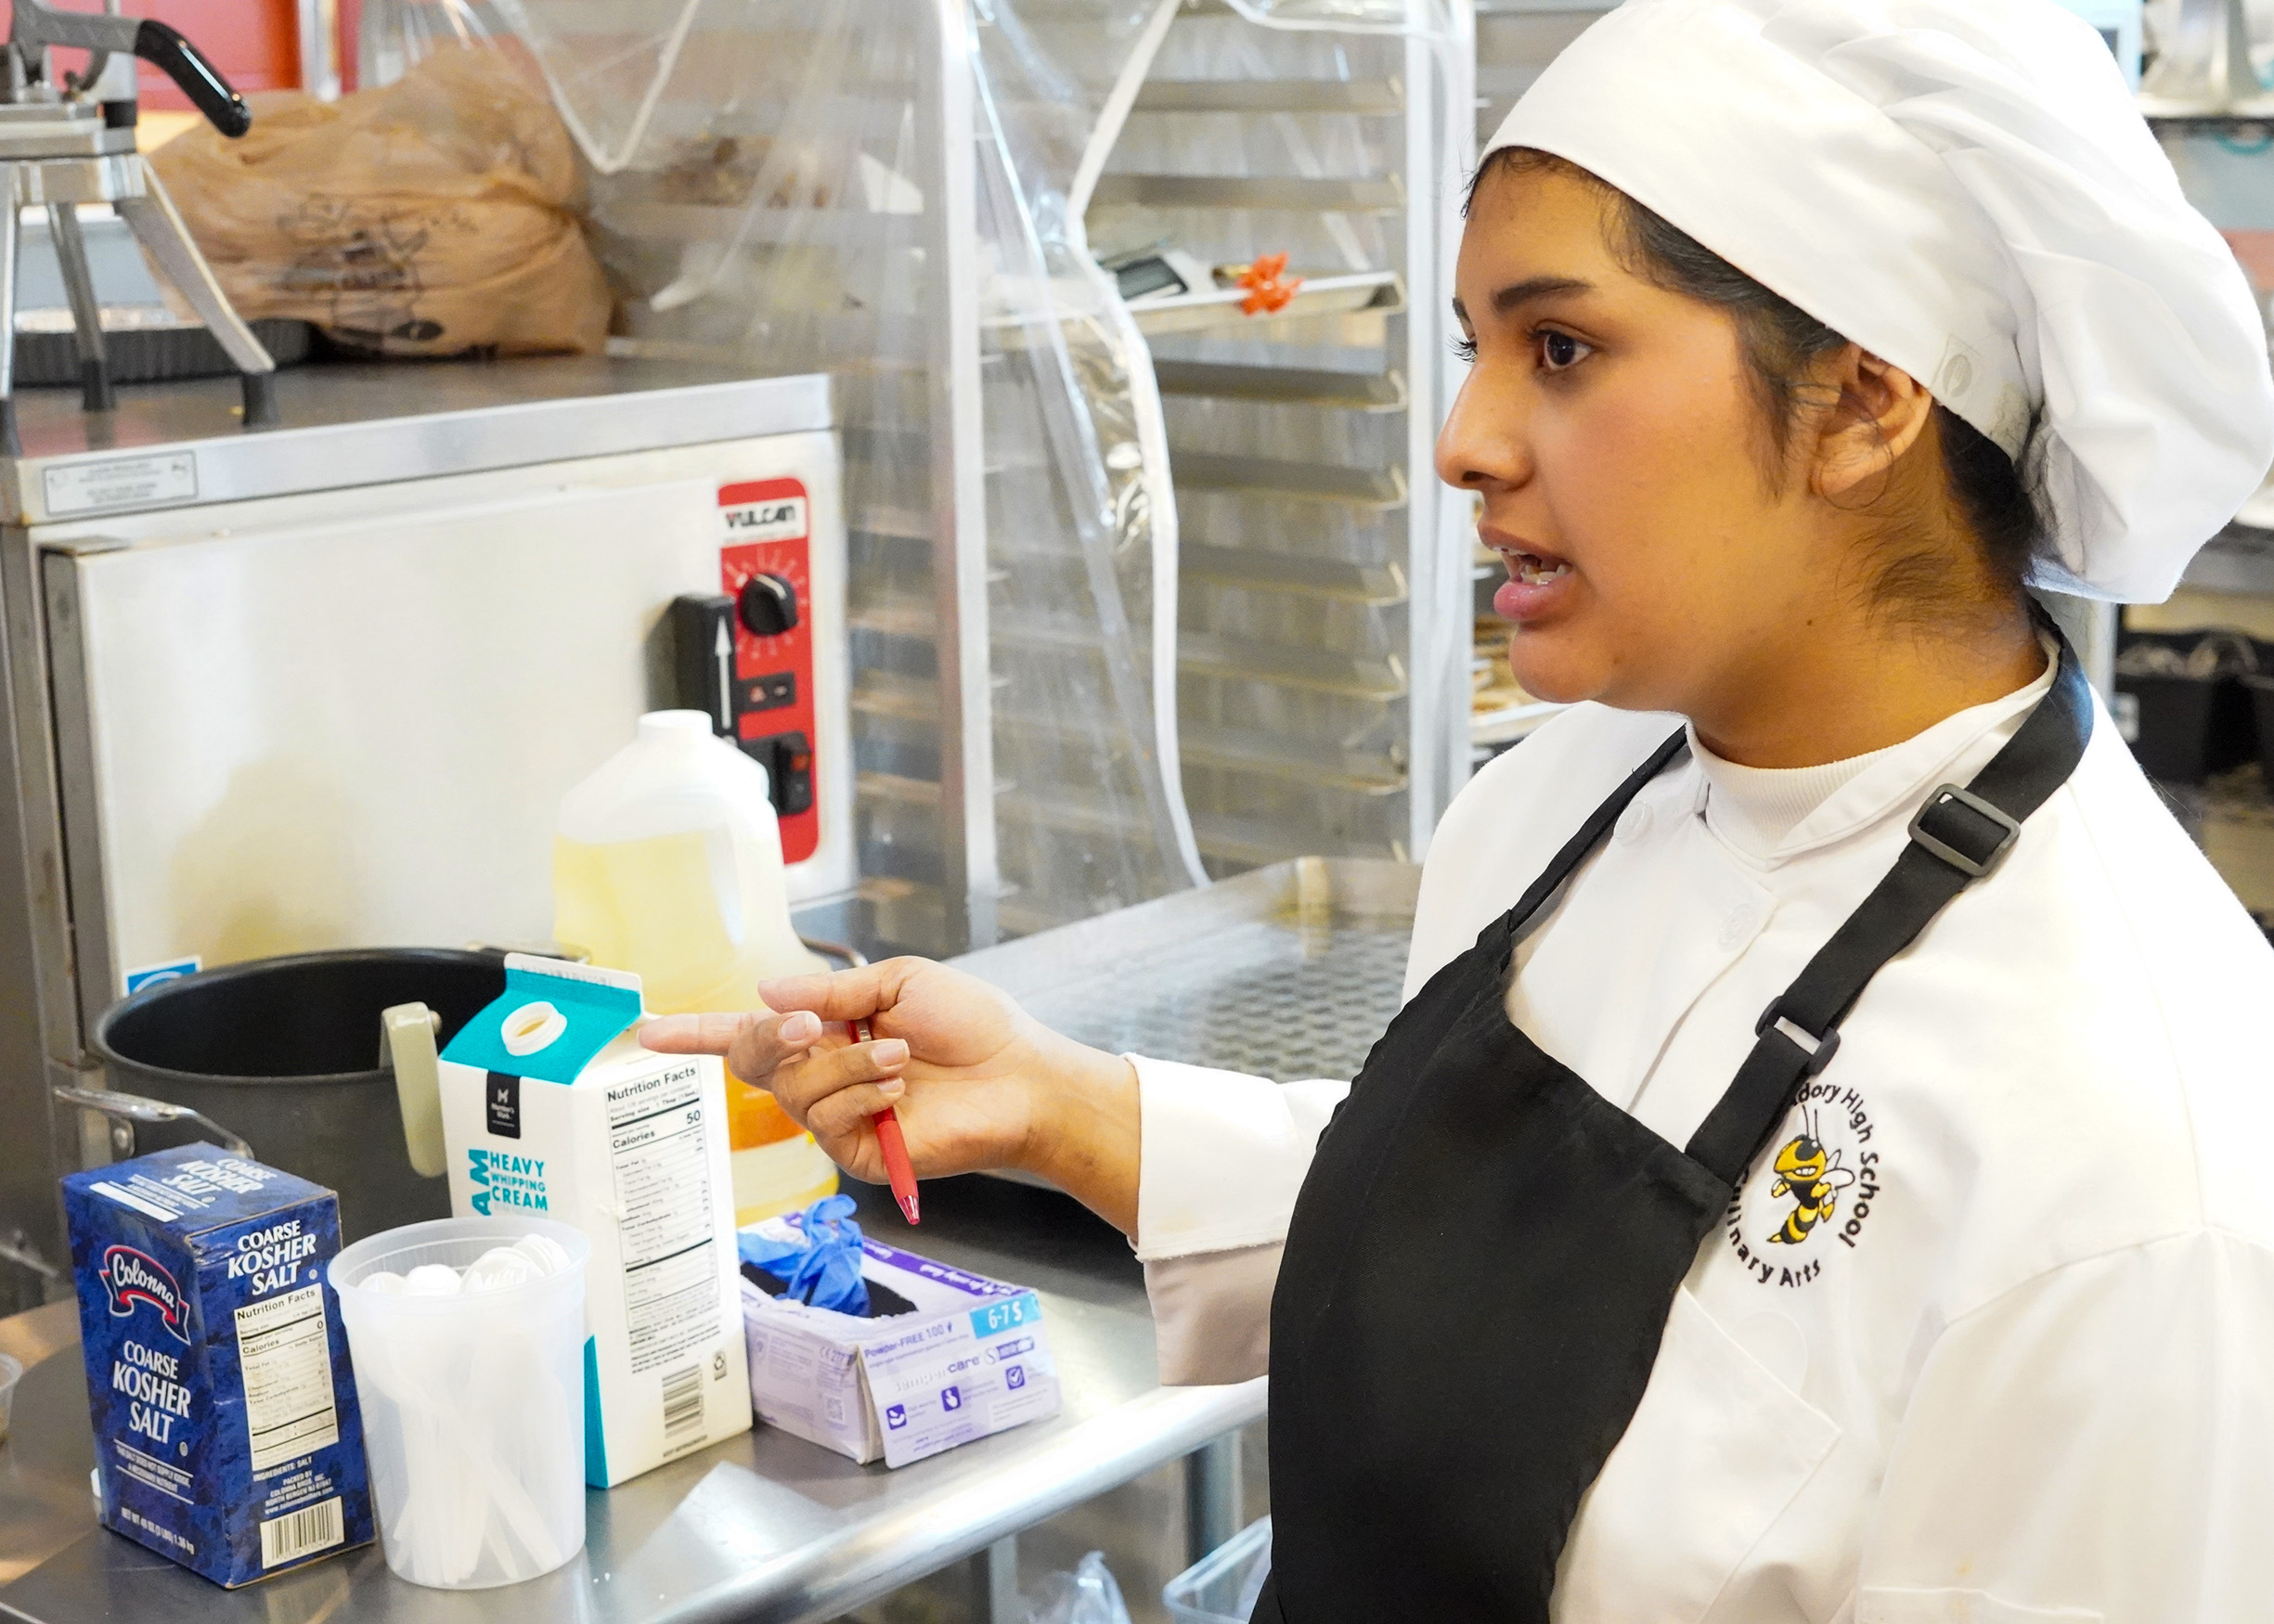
433 216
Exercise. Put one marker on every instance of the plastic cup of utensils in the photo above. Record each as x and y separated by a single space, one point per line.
11 1372
468 1341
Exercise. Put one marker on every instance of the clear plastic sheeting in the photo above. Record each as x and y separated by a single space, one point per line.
780 184
1323 589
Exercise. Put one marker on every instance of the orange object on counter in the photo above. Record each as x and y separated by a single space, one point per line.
1269 287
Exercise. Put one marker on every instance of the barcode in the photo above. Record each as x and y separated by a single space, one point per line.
296 1533
682 1406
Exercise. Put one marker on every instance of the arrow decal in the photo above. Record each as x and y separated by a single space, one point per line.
724 650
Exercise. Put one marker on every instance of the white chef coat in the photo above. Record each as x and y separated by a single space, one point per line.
2022 1369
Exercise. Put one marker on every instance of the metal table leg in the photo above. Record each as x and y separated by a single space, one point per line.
994 1582
87 312
1211 1495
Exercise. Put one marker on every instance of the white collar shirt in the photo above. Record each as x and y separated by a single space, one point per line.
2010 1363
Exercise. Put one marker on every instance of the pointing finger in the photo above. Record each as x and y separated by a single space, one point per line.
758 1041
690 1034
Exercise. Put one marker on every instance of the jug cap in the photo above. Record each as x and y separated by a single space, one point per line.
674 727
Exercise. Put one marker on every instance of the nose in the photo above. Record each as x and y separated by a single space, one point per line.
1482 446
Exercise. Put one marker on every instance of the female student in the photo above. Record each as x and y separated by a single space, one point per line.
1817 1172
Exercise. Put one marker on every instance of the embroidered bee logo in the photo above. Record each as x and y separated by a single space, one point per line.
1811 1177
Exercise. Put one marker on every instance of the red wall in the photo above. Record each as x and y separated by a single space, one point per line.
254 43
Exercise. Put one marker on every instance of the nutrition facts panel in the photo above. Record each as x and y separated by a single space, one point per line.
286 1356
663 1191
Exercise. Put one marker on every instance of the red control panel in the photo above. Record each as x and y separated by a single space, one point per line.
765 568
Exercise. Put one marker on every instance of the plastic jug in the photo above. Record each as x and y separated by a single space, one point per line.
668 862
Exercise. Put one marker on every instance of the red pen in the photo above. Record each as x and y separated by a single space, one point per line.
889 1141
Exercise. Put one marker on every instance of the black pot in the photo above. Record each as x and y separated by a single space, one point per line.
286 1054
2191 726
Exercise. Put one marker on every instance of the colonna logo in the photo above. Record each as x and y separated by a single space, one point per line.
130 1277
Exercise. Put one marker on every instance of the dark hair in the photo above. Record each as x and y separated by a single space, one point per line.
1780 341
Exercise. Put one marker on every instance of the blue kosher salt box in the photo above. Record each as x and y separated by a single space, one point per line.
226 1431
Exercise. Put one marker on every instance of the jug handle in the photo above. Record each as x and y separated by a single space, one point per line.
139 1108
407 1036
851 958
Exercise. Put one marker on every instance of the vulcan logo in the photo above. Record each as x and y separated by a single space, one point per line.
130 1277
763 510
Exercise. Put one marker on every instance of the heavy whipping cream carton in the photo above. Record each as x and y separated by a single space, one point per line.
226 1431
549 1106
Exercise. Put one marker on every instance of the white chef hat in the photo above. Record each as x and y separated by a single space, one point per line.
1964 188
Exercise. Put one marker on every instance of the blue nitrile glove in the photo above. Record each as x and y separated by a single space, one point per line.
821 1266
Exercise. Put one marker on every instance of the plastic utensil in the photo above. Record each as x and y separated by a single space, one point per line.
892 1147
499 1268
473 1401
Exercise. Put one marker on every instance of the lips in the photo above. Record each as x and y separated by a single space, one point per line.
1535 581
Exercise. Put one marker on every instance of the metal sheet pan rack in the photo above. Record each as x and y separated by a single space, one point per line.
1323 619
1516 39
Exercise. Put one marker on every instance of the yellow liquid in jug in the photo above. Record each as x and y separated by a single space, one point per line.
650 905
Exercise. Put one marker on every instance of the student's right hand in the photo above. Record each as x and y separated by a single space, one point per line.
977 1082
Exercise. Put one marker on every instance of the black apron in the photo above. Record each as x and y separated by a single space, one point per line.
1482 1258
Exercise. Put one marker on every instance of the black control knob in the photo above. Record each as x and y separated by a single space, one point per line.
767 606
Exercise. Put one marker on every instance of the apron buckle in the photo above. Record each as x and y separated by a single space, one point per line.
1952 826
1819 1050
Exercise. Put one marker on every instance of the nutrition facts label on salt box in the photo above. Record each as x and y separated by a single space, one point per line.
285 1355
664 1192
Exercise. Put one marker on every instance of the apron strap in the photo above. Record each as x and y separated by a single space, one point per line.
1590 835
1958 836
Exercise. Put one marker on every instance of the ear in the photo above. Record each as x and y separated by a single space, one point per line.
1881 412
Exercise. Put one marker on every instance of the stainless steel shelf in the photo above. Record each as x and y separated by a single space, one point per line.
917 623
1490 729
897 523
903 791
913 913
1356 392
1318 670
1298 761
1286 193
2238 561
1360 293
1239 842
1259 570
1304 482
1366 96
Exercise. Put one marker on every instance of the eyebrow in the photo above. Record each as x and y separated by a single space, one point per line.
1517 294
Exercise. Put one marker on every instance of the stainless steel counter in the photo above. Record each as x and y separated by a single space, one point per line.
175 444
763 1527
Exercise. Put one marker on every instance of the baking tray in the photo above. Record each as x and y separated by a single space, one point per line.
1287 972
